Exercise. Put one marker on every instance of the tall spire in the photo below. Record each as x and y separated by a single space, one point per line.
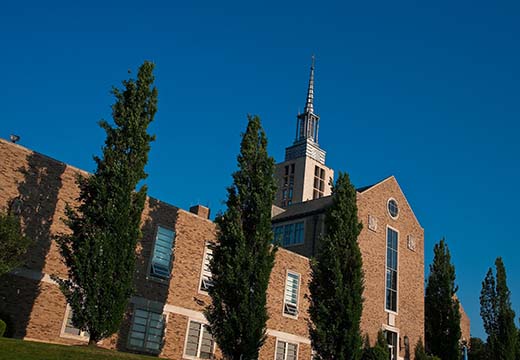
309 106
307 129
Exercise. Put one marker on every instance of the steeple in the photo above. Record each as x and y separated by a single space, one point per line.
307 128
309 106
307 125
303 175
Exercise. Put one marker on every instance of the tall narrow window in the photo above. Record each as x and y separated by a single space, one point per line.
292 284
393 346
288 185
199 342
146 333
286 351
278 234
288 233
391 269
298 233
319 182
162 253
206 282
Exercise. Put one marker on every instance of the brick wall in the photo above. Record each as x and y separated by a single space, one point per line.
45 186
409 319
31 298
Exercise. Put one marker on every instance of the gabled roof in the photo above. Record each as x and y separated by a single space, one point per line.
392 177
318 206
311 207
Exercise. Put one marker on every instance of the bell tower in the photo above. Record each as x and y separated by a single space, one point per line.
303 175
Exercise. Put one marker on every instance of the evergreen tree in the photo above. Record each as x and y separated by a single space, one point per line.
441 307
13 243
517 356
497 314
477 349
420 352
100 250
336 286
379 351
244 257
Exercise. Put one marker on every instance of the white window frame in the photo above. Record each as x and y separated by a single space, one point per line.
143 348
286 342
203 273
83 335
388 209
151 274
398 270
199 343
396 331
297 296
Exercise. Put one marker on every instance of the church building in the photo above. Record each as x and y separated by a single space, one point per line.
165 316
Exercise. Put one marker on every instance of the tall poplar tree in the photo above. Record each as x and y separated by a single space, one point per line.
244 257
441 307
100 249
336 287
13 242
498 315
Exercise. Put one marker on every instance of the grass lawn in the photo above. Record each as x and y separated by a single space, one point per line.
13 349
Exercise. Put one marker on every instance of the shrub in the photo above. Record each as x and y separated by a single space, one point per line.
378 352
3 327
9 325
420 353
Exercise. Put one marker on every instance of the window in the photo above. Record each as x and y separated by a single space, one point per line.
68 328
391 339
290 300
319 182
288 185
286 351
391 269
206 282
146 332
393 209
199 342
162 253
289 234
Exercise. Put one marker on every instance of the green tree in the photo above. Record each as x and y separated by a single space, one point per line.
477 349
244 256
379 351
336 285
420 352
13 243
517 345
441 307
497 314
100 249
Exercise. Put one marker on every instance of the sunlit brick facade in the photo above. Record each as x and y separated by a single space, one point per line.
165 316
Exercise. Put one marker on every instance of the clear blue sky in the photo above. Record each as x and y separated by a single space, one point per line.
426 91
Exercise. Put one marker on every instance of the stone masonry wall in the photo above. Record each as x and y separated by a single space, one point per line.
45 186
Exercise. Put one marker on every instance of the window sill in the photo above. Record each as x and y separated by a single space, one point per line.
74 337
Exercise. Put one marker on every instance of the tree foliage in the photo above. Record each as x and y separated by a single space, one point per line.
244 257
477 349
13 243
442 316
420 352
497 314
379 351
336 286
100 249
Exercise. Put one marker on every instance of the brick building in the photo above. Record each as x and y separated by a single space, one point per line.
165 315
